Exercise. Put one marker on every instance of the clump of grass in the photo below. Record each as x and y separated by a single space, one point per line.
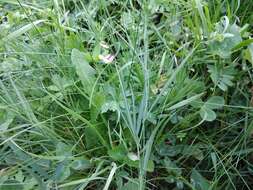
126 95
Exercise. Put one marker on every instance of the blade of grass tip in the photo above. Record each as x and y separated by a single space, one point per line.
22 30
202 16
143 109
110 177
184 102
129 120
57 8
142 112
161 65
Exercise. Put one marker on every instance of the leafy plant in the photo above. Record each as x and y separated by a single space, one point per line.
125 95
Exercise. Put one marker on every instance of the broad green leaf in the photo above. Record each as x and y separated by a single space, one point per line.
171 167
91 138
207 114
193 150
136 164
62 172
80 164
63 150
131 185
85 72
197 103
198 181
118 153
98 100
215 102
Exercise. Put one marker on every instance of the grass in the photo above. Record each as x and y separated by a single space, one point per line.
126 94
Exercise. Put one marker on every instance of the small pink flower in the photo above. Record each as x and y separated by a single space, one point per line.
107 58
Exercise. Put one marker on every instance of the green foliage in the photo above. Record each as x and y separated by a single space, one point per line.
206 111
84 71
198 181
126 95
222 77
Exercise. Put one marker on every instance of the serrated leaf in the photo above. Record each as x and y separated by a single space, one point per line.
111 106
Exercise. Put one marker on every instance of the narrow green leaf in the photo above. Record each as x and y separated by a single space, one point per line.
242 44
185 102
22 30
